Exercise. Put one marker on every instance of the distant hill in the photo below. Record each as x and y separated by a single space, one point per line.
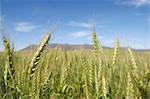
72 47
62 46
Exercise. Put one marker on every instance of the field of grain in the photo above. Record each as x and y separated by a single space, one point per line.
75 74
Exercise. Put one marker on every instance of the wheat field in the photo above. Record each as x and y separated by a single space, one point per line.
74 74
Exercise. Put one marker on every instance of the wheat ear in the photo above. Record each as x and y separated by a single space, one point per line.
129 88
135 68
9 53
37 55
116 52
84 77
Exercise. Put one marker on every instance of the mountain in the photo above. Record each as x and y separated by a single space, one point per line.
62 46
72 47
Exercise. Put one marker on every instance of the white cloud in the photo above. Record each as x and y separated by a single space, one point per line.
84 25
137 3
80 24
26 27
141 2
80 34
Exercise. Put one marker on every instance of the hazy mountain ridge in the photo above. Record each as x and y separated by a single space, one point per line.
70 47
62 46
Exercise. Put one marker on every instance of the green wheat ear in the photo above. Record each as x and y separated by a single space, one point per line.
116 52
37 55
9 54
104 87
129 88
134 65
84 77
95 44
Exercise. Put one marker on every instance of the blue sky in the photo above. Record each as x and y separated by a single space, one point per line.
26 22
